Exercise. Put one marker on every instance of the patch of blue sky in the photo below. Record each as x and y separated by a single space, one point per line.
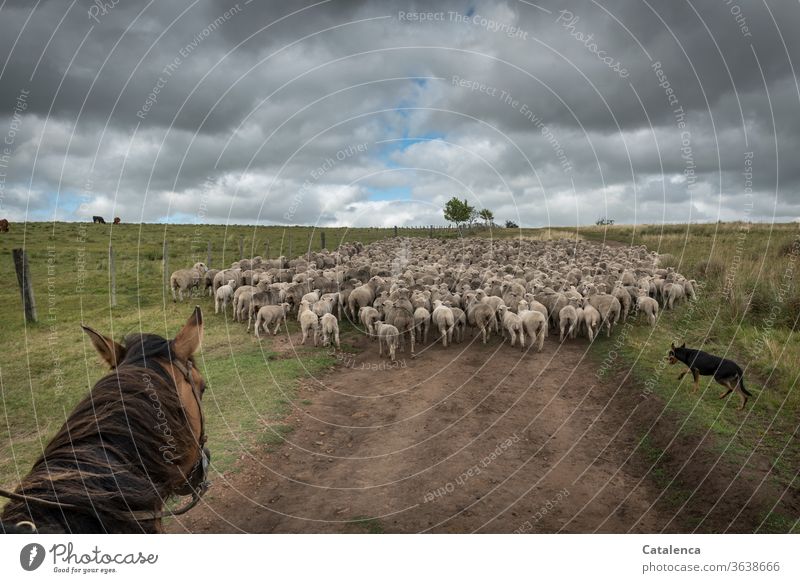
390 193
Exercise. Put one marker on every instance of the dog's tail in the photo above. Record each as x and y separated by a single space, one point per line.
741 386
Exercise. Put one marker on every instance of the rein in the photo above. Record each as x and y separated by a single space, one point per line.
142 515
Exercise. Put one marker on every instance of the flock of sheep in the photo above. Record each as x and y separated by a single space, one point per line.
398 289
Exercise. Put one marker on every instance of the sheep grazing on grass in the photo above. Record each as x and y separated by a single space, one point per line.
185 280
271 315
309 321
534 323
330 330
422 324
223 296
443 321
388 335
368 316
649 307
512 324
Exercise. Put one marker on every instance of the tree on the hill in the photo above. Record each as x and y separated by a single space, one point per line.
458 211
487 216
511 225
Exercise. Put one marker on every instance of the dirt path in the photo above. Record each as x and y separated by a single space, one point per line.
466 439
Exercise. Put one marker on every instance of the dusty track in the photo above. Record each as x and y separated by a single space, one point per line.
416 449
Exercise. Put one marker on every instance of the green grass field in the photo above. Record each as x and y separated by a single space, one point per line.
747 309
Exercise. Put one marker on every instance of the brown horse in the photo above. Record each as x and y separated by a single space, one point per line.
134 442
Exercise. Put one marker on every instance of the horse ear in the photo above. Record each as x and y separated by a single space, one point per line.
672 346
188 340
683 345
109 350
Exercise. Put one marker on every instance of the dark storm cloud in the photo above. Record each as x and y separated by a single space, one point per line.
550 112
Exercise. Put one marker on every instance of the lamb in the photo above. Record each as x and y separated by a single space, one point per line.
443 321
185 280
400 314
512 324
422 323
567 321
387 334
330 328
223 296
368 316
223 276
323 306
259 298
534 323
649 306
271 315
309 321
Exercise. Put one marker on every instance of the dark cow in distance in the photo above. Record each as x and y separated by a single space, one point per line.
3 225
116 220
96 219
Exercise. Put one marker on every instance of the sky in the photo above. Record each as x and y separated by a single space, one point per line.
348 113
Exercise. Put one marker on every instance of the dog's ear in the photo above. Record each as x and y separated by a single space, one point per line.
683 345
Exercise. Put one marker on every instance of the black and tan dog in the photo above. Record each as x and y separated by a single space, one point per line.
726 372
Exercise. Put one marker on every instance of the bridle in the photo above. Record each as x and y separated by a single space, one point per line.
197 482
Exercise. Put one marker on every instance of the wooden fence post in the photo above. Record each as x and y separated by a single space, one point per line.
322 239
395 230
112 273
165 259
266 249
25 286
241 246
290 247
208 255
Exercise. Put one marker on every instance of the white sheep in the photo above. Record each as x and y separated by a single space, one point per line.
330 328
422 323
591 321
649 306
309 321
444 321
567 320
387 334
223 295
184 280
534 323
512 324
368 316
271 315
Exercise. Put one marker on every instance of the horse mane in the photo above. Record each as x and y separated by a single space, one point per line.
118 451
